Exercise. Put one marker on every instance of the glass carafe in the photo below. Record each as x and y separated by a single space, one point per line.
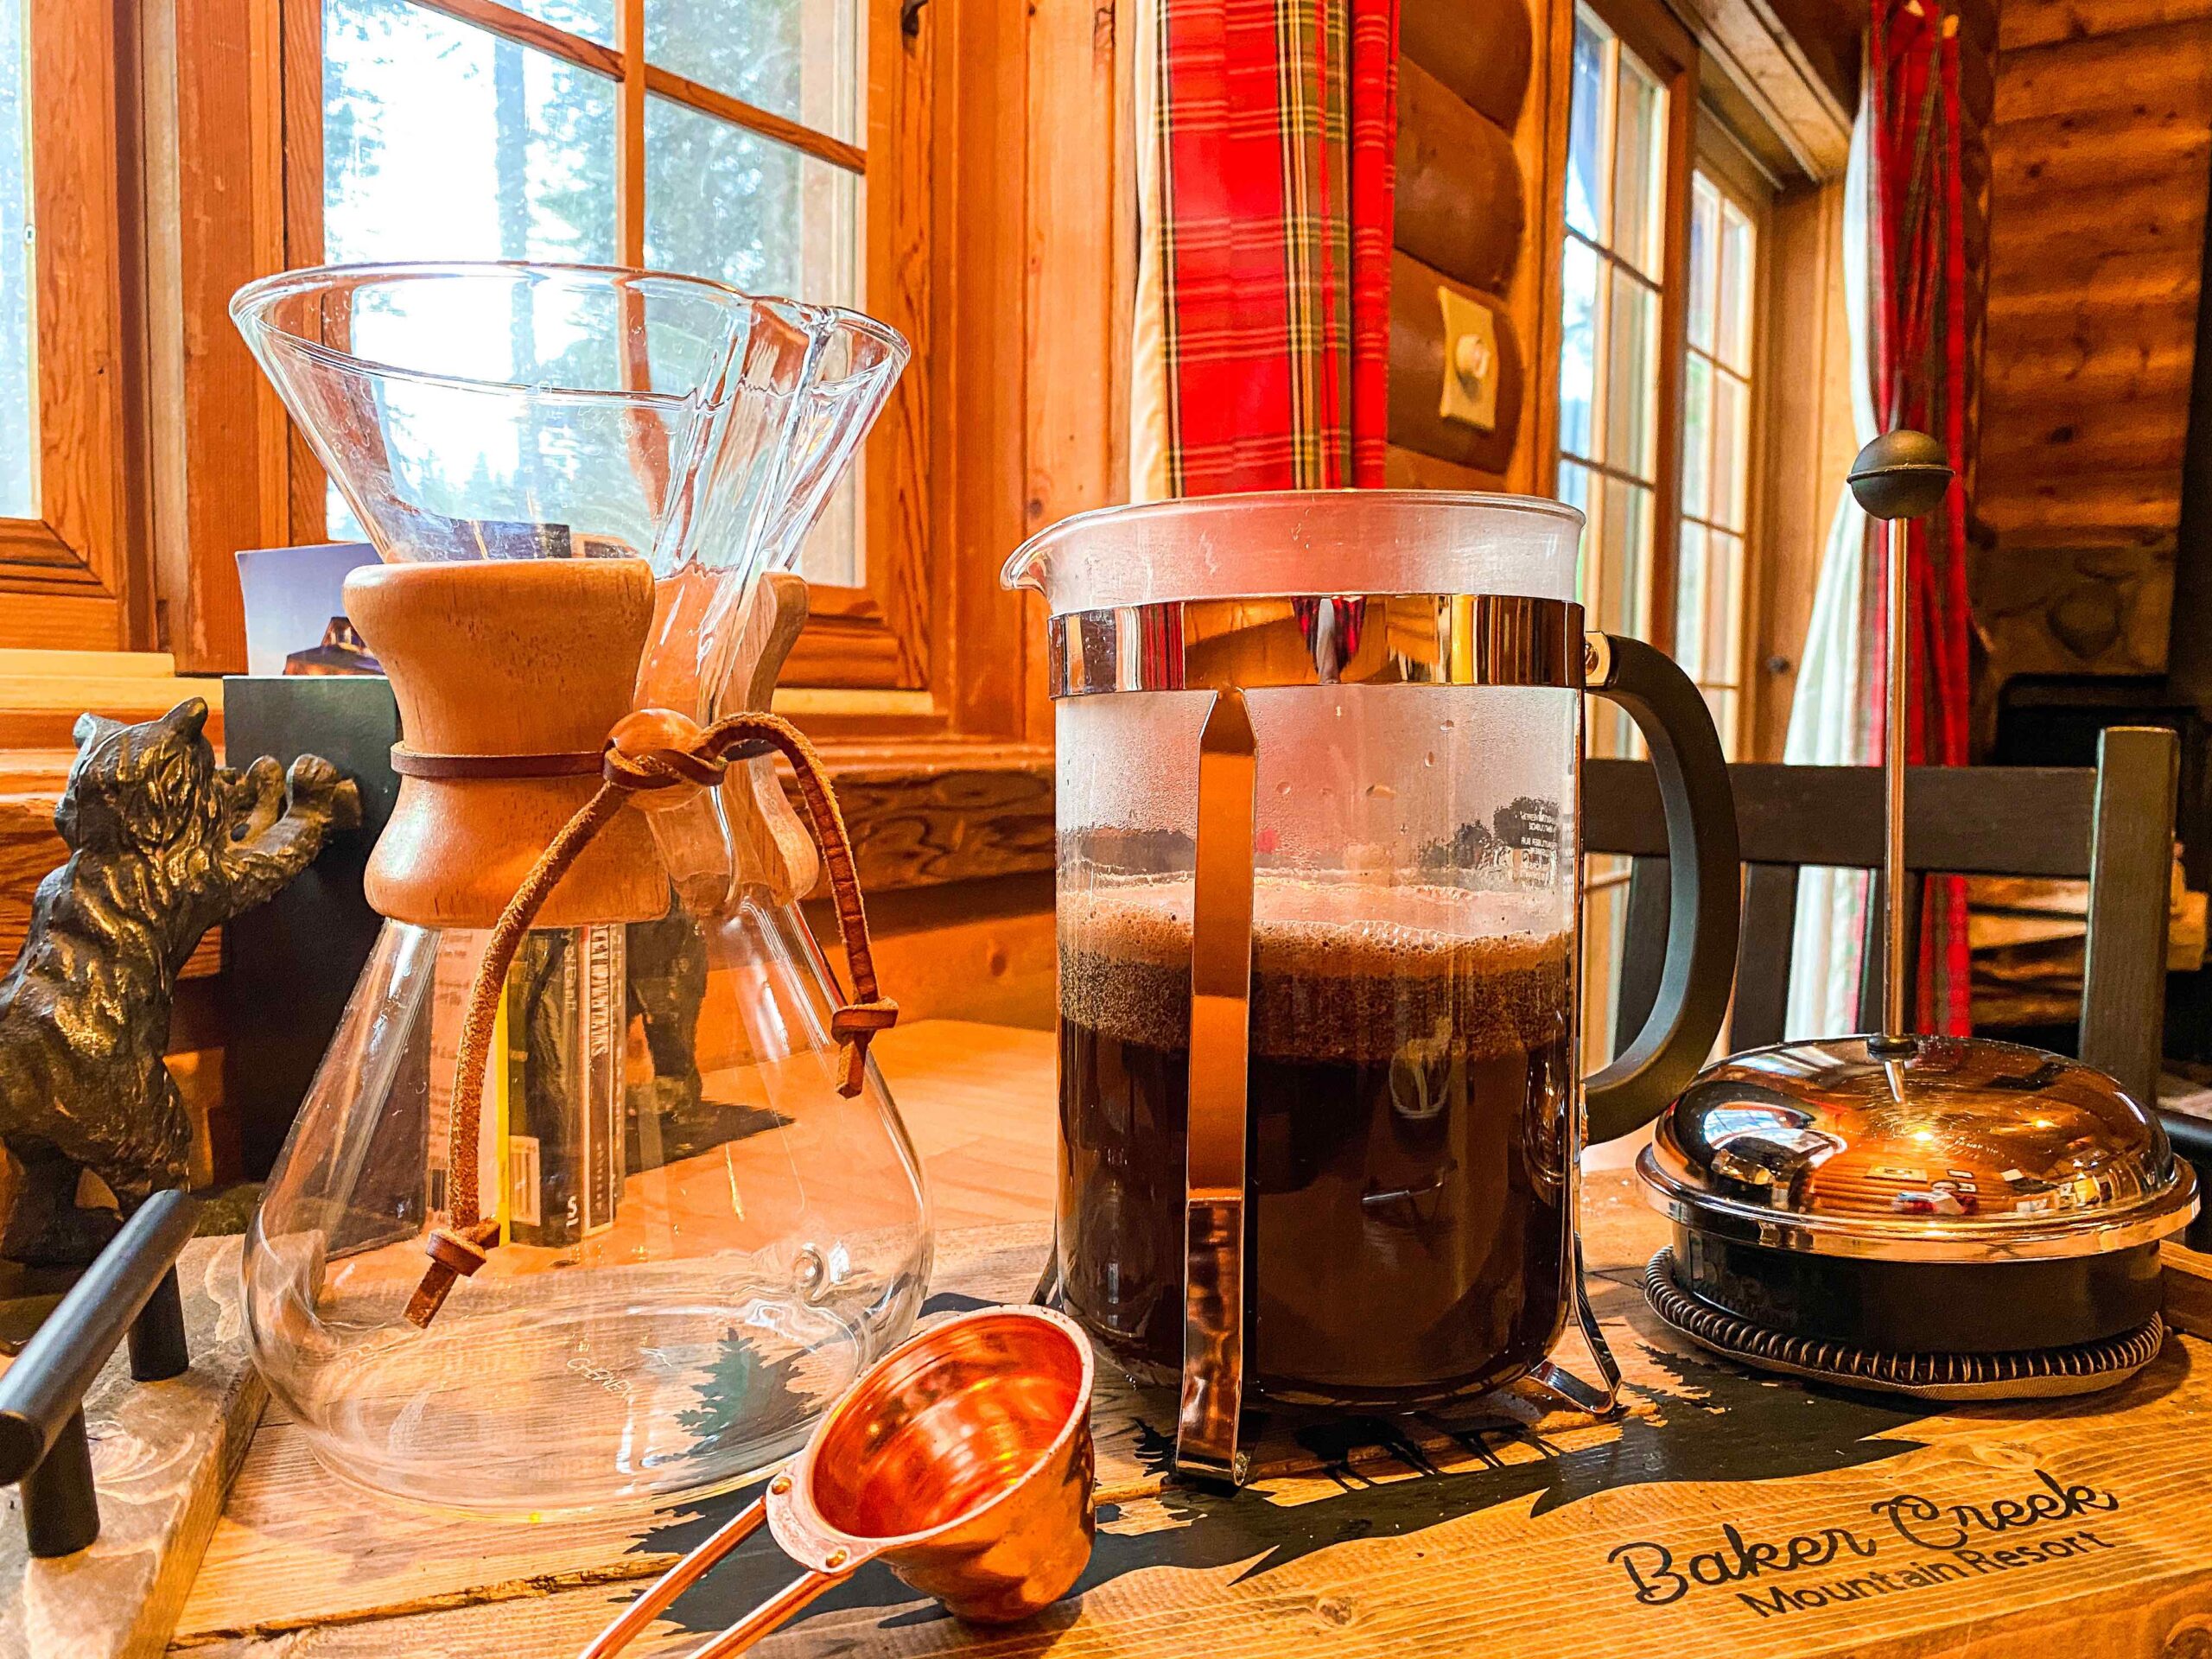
1319 877
585 486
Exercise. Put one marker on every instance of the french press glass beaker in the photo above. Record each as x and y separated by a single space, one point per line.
1319 883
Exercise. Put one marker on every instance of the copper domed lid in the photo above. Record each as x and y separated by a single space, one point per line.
1929 1149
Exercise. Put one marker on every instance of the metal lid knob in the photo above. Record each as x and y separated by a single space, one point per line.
1901 474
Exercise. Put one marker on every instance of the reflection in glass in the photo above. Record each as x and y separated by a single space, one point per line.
442 141
1585 156
1624 606
727 203
18 384
1690 590
1731 422
724 202
1735 330
1574 490
1639 168
1697 429
796 58
1722 701
1705 232
1716 451
1725 615
1577 349
593 19
1631 375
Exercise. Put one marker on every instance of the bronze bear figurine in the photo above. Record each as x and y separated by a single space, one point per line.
164 844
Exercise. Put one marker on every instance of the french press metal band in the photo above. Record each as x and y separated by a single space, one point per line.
1232 645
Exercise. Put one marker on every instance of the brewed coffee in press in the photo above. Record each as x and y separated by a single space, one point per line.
1319 883
1409 1080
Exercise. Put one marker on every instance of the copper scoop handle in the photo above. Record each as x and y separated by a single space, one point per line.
688 1572
770 1613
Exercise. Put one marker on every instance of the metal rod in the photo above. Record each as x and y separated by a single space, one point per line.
1896 1023
62 1510
159 1346
664 1591
42 1391
778 1609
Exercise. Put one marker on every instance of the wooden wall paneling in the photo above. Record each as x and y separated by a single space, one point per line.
2100 147
1540 140
1075 304
1418 367
884 635
1751 46
922 815
223 208
1122 386
302 120
1468 74
980 317
2048 23
1828 35
1460 200
983 949
1482 50
1808 436
1409 469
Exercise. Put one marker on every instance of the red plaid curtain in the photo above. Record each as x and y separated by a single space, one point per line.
1276 127
1922 378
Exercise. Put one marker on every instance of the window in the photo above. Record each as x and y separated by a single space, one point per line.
1613 280
1709 573
466 130
1630 94
64 505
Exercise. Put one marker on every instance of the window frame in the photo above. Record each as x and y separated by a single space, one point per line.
867 646
1670 52
66 578
1729 164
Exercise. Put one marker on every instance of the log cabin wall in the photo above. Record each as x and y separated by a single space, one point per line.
2100 147
1473 135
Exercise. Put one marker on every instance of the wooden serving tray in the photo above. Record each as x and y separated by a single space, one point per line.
1727 1514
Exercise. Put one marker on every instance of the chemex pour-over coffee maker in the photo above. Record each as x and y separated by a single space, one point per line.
1317 914
600 1202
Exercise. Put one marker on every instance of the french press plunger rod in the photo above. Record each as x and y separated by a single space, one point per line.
1900 475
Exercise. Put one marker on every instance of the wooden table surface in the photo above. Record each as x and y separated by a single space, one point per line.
2075 1528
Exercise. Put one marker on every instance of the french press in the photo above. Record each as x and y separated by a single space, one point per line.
1318 915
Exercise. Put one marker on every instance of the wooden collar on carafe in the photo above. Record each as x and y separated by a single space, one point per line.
648 752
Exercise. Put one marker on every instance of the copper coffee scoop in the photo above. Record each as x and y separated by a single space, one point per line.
961 1459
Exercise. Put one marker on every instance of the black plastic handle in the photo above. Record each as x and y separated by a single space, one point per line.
131 1287
1704 897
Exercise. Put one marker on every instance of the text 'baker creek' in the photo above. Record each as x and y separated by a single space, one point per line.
1955 1541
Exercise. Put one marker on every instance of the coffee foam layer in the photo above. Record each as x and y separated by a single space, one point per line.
1344 975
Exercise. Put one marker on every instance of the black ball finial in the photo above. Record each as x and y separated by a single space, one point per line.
1901 474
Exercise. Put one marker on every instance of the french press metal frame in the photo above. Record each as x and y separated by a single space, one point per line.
1229 646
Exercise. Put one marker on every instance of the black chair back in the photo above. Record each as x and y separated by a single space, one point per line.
2112 824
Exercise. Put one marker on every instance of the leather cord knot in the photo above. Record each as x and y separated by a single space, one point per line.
649 751
852 1025
658 748
454 1255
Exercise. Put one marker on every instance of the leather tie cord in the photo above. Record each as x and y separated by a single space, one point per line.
653 749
